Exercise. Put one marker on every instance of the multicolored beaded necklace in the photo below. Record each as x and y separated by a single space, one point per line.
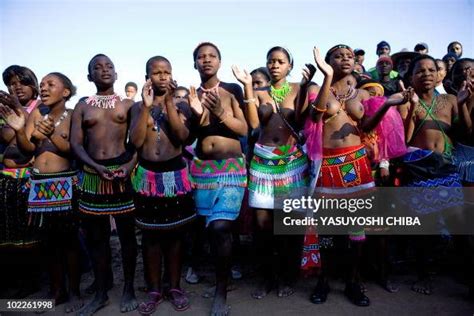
342 98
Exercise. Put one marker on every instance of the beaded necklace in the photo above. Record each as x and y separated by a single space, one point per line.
279 94
158 116
342 98
215 88
61 118
105 102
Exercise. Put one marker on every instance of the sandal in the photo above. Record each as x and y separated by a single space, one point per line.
148 308
179 300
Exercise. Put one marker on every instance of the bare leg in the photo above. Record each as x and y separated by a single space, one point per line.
128 243
221 242
98 235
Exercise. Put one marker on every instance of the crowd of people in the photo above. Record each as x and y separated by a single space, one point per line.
183 156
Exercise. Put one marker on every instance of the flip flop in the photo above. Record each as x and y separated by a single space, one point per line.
180 302
148 308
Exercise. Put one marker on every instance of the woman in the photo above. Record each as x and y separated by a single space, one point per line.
164 205
279 166
18 242
51 201
334 145
99 130
218 170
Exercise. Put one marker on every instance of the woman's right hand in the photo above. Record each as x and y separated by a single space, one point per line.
148 94
16 120
325 68
194 102
242 76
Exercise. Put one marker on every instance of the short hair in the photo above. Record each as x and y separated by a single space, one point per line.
196 50
66 82
154 59
263 71
89 66
441 61
182 88
131 84
415 61
25 75
283 50
457 72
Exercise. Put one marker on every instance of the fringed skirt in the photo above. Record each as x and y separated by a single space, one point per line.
276 173
434 184
52 201
346 173
104 197
163 197
219 187
14 229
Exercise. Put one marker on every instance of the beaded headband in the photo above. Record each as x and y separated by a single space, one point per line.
333 49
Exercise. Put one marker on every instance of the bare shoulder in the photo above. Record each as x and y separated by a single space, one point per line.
80 105
127 103
448 98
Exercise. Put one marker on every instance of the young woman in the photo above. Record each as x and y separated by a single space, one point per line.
18 243
218 170
430 123
334 144
164 205
279 166
51 199
99 140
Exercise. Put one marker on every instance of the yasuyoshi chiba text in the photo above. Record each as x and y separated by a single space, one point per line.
341 221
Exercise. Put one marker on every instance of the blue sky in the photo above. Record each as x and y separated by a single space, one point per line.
63 35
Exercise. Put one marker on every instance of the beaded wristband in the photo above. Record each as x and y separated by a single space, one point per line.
247 101
318 109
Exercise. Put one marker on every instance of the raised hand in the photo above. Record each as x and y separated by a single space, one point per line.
172 85
46 126
465 92
16 120
194 102
242 76
412 96
325 68
9 100
212 102
148 94
308 73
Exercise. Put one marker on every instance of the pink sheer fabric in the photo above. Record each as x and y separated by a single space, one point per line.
390 134
314 135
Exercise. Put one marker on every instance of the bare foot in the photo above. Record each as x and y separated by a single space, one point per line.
219 307
129 301
262 290
73 304
93 306
424 286
285 291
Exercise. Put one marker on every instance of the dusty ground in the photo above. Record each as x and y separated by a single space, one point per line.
448 298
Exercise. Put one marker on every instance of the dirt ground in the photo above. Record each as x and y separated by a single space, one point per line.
449 297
